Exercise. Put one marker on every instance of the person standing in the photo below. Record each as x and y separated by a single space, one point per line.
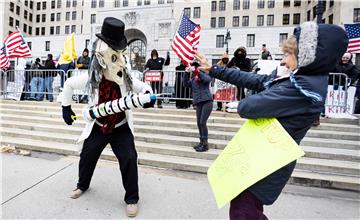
156 63
37 81
345 66
265 53
181 92
84 61
199 83
223 62
49 77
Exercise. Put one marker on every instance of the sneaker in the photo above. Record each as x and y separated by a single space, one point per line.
76 193
131 210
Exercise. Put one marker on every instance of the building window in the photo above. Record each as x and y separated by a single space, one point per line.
187 12
314 12
331 3
58 16
197 12
37 18
125 3
213 23
52 17
17 23
221 22
161 2
286 19
93 3
87 42
29 45
93 19
146 2
246 4
356 14
58 4
261 3
219 41
73 28
236 21
31 4
53 4
308 17
213 6
12 6
236 5
250 40
67 16
30 30
25 14
47 45
44 5
117 3
270 20
26 2
139 2
260 20
331 19
30 17
68 3
101 3
43 18
37 31
74 3
67 29
38 6
51 30
282 38
245 21
296 18
298 3
170 1
57 30
286 3
43 31
18 10
73 16
11 21
271 3
222 5
25 28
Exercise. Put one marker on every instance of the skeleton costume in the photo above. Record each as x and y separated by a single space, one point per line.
109 81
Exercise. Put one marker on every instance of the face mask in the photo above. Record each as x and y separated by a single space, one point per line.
112 62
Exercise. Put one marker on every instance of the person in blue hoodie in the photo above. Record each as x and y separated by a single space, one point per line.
296 98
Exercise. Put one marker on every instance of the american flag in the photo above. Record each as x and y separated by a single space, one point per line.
4 60
353 32
186 40
16 46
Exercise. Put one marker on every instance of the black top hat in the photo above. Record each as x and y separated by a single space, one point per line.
112 33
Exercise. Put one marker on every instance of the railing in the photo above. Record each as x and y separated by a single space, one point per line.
337 95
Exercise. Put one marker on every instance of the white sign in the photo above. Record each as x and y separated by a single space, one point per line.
335 101
267 66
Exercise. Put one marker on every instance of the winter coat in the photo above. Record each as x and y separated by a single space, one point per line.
85 61
49 65
288 98
349 69
199 87
244 64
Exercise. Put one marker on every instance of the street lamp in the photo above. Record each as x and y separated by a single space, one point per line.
227 39
319 11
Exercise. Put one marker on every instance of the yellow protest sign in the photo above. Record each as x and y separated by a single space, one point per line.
259 148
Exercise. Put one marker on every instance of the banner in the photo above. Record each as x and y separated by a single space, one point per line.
153 77
259 148
335 99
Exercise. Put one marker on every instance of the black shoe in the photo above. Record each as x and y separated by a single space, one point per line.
202 148
196 146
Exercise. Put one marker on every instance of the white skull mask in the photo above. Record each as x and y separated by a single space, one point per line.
112 62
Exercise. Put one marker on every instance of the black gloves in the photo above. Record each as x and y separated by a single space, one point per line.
67 113
151 104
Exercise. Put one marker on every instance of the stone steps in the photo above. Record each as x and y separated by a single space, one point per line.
321 179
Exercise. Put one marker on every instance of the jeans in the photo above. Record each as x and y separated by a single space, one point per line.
37 88
203 111
48 87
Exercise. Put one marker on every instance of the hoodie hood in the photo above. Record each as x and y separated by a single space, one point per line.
320 47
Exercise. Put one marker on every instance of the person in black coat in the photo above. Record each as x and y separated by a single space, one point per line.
243 63
181 92
296 99
49 77
156 63
345 66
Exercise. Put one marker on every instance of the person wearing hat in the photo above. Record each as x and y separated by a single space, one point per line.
109 79
296 99
84 61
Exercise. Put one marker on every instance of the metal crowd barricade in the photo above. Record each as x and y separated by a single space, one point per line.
337 96
32 84
2 84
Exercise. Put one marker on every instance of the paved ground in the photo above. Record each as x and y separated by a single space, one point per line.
38 187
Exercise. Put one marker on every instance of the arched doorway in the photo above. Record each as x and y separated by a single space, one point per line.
136 48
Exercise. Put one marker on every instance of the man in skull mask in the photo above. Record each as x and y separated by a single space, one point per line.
109 79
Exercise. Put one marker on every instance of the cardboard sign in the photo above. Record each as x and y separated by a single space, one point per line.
153 77
226 94
335 101
259 148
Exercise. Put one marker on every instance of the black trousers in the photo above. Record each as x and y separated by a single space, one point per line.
157 88
122 144
203 111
